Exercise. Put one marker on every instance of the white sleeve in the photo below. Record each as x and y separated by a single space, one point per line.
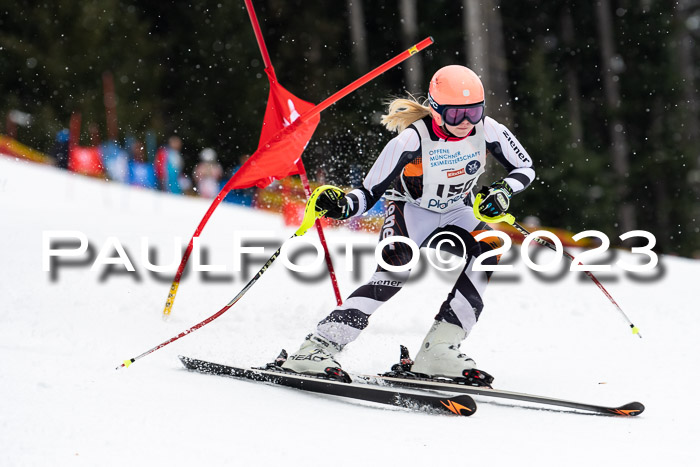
393 158
508 151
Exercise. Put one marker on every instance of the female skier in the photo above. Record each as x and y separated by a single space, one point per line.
427 173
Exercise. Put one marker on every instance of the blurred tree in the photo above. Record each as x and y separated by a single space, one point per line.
571 76
475 37
612 66
413 70
213 89
59 51
657 117
358 34
499 99
687 29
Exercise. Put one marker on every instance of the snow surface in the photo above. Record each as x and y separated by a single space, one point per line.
63 403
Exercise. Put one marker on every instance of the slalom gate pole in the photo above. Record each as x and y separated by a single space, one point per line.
310 216
308 114
300 164
510 219
258 36
366 78
321 236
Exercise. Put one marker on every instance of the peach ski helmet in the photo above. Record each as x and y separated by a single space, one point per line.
456 94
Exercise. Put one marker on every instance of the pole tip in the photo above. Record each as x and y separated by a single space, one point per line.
126 363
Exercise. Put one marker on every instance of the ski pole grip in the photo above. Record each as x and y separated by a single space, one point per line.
310 213
505 217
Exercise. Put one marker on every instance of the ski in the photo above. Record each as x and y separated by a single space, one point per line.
627 410
414 399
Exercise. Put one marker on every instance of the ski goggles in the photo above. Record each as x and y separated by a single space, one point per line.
453 115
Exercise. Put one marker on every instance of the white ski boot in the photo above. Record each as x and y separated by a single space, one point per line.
439 354
313 357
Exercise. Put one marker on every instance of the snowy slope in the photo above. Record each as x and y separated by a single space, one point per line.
62 402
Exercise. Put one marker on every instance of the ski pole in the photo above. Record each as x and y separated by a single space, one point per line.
510 219
310 215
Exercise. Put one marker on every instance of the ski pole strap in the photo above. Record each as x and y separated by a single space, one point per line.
505 217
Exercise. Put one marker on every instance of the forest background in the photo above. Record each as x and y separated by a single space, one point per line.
602 94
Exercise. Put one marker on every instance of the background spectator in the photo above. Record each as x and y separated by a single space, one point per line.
116 161
168 165
141 172
241 196
207 174
59 151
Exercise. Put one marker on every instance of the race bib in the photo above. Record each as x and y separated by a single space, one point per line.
450 169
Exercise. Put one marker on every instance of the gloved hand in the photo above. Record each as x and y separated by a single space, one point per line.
495 199
334 203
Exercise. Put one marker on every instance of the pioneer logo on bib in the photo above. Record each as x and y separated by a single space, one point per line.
455 173
440 204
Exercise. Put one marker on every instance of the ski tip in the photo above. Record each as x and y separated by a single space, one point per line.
460 405
189 363
628 410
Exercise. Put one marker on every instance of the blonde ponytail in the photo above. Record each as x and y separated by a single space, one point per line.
402 112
